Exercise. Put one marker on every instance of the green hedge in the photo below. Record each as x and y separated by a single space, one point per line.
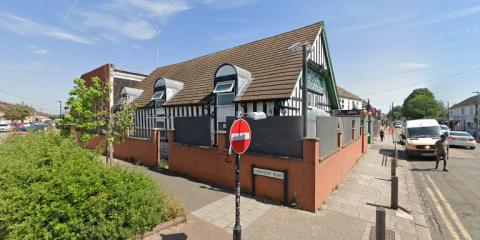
51 188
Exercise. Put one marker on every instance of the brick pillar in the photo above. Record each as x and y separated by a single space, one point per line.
311 158
155 141
221 144
170 136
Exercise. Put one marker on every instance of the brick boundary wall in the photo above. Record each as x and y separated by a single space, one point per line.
310 181
145 151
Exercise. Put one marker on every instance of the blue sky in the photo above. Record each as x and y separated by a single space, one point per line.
381 50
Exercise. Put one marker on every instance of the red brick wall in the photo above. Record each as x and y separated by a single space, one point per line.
309 180
144 151
102 72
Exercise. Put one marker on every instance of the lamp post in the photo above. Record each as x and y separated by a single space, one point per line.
60 113
369 121
476 115
305 48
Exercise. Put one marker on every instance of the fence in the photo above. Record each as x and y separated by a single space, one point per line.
193 130
278 136
327 132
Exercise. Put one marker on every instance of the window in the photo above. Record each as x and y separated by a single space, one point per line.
158 95
225 99
160 124
223 87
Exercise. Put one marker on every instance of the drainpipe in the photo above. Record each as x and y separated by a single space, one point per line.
304 89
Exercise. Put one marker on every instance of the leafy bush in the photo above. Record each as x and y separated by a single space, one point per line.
52 189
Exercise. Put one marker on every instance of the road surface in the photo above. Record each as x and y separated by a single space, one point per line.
451 199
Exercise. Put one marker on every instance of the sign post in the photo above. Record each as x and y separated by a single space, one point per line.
240 136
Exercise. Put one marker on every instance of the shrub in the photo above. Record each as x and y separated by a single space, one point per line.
52 189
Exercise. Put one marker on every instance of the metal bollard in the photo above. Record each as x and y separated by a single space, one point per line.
394 195
380 224
393 166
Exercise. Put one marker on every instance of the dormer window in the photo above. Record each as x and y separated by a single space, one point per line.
224 87
128 95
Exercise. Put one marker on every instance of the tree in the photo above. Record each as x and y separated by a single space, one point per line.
87 107
88 111
117 130
396 112
18 112
421 103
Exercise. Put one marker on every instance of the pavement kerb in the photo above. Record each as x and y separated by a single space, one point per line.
162 226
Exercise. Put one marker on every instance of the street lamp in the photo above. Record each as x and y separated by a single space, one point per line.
305 48
237 229
60 102
476 115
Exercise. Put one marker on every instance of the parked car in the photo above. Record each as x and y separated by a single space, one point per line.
398 125
5 127
444 128
461 139
26 124
420 136
21 131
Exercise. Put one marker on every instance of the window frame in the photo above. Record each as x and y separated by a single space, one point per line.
223 94
158 98
228 90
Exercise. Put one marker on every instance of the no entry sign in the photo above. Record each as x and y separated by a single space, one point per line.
240 136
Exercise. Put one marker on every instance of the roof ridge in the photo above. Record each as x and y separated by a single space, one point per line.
321 22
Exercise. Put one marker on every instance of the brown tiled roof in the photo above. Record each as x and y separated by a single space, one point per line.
469 101
274 69
343 93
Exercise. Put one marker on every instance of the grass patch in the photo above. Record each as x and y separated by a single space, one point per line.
51 188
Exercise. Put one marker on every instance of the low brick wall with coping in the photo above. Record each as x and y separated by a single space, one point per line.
310 180
144 151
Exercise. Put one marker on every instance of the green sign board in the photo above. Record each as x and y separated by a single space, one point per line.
315 81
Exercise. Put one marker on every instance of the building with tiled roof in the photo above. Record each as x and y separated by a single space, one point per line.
462 114
348 100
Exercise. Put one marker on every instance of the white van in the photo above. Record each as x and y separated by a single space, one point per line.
420 136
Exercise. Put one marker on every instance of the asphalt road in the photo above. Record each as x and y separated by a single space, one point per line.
451 199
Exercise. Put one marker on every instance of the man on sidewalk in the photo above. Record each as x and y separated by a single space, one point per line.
441 148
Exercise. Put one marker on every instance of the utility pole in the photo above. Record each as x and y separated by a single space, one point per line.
59 101
369 121
304 89
476 115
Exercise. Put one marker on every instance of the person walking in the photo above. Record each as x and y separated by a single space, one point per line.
441 149
382 134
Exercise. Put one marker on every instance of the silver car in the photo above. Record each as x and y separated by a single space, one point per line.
461 139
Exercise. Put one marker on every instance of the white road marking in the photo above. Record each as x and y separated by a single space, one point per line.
442 213
449 208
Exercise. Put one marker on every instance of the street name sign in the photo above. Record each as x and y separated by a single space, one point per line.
268 173
240 136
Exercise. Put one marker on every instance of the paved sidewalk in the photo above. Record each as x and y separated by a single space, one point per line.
349 213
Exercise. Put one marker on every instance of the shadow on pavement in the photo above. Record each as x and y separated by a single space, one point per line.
174 236
423 169
378 205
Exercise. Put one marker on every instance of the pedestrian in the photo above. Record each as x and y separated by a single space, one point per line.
382 134
441 149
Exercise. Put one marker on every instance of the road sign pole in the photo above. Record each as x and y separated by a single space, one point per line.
237 229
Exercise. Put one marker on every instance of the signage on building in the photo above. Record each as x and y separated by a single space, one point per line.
315 81
268 173
240 136
353 112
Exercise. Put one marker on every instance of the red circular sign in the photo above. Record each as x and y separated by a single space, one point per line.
240 136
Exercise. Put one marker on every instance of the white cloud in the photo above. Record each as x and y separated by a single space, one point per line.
37 50
134 28
153 8
456 14
412 65
406 22
25 27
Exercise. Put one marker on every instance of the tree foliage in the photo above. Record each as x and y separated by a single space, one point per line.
18 112
118 127
421 103
396 112
51 188
87 107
